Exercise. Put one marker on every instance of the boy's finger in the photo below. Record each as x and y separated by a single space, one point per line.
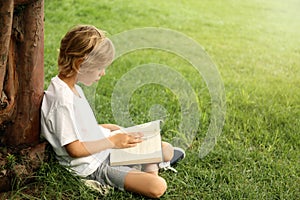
135 140
137 134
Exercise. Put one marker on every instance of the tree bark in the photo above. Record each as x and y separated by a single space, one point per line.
21 70
7 101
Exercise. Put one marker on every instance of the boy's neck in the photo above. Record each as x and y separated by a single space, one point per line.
70 81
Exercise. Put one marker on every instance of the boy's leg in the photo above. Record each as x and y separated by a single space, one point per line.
145 184
168 151
171 158
151 168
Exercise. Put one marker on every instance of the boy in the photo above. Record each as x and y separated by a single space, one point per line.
69 124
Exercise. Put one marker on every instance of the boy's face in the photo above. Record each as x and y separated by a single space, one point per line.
91 76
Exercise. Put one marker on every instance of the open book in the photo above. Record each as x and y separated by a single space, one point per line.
148 151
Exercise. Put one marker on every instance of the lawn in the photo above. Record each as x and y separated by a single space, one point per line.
254 45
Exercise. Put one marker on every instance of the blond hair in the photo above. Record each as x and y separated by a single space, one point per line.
87 45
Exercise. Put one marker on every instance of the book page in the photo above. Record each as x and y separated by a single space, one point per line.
148 151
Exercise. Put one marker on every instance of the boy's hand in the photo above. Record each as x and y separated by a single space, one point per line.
125 140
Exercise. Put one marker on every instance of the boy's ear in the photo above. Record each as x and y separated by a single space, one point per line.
79 61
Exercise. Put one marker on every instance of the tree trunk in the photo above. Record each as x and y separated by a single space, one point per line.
21 71
21 88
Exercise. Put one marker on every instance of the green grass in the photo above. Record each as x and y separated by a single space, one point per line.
256 47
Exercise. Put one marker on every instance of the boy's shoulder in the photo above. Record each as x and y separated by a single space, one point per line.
58 91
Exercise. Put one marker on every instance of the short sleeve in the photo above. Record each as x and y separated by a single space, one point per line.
63 124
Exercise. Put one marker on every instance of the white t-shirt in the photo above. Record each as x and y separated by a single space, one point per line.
65 118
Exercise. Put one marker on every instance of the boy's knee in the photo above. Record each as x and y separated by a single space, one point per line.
168 151
158 187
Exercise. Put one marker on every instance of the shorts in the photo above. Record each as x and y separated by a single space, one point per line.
112 175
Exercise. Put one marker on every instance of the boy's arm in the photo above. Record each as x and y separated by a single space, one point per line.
79 149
